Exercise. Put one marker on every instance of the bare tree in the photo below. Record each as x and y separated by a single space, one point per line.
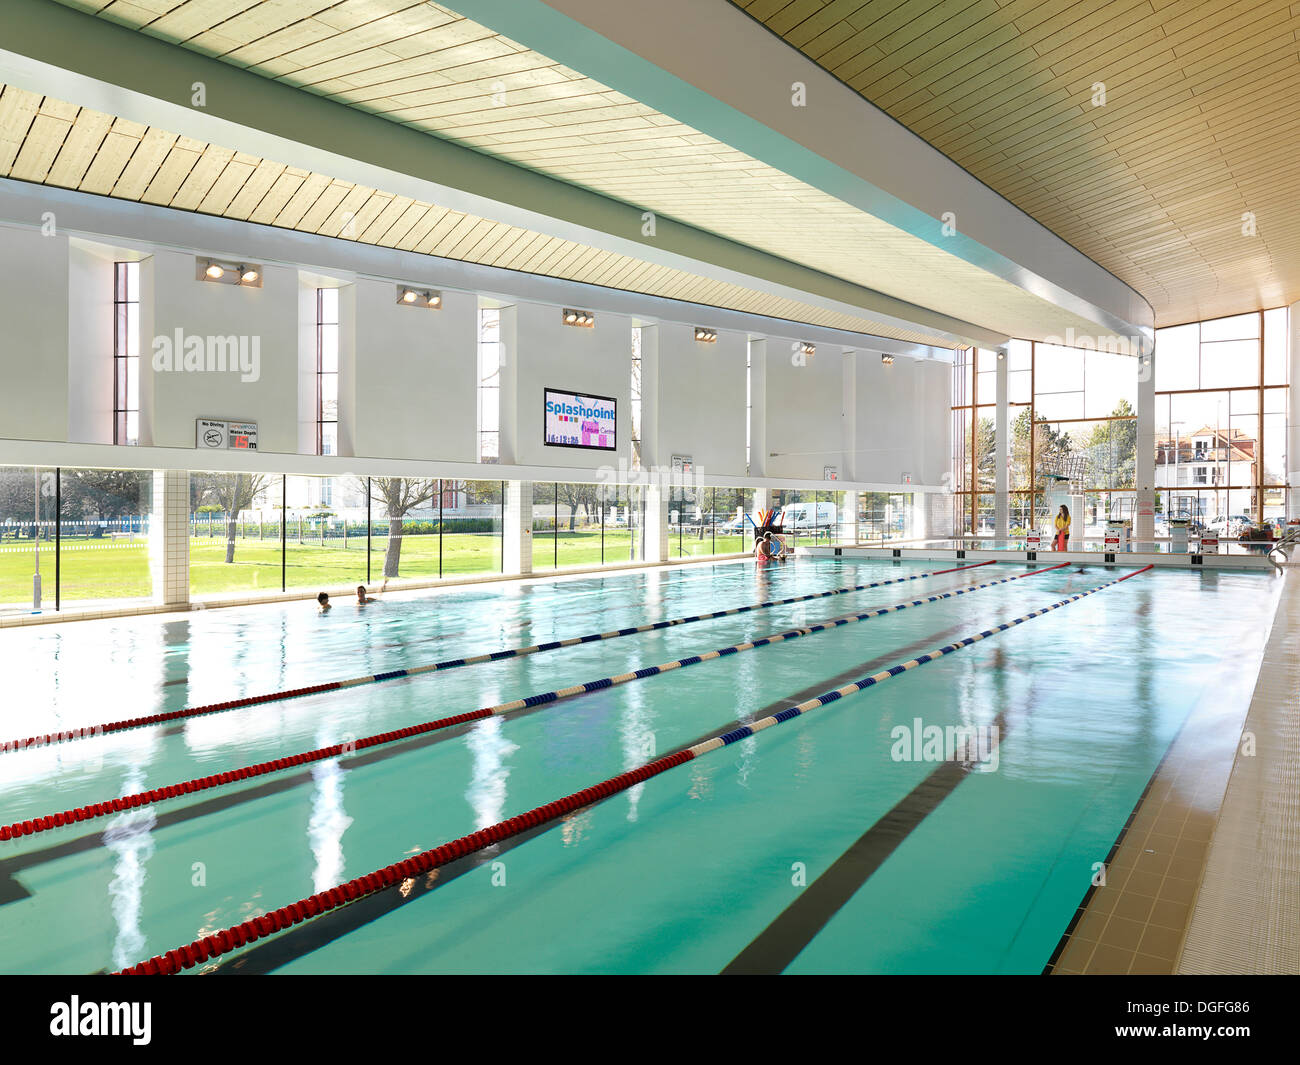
233 493
574 496
400 495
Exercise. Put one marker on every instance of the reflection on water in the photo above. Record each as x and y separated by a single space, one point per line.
130 838
327 825
487 787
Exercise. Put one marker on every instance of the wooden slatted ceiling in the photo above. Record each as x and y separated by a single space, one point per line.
1201 124
427 67
51 142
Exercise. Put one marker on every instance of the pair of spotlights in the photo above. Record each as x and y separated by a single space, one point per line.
232 273
414 297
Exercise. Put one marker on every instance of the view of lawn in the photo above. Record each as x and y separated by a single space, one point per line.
92 569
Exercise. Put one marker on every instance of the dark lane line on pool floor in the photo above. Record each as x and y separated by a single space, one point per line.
293 944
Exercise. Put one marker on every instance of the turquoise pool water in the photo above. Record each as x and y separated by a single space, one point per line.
705 866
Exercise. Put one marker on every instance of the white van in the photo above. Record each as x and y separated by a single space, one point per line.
805 517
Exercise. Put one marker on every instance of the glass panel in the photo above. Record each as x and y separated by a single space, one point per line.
405 541
132 339
1110 384
1237 327
1178 358
578 536
1230 363
1275 361
132 271
329 305
329 349
471 536
544 525
234 534
329 397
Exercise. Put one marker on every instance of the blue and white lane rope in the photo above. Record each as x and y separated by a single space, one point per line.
89 731
111 806
391 876
879 678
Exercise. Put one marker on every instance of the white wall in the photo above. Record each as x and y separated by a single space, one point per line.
548 354
33 335
701 400
416 376
204 308
90 345
802 410
901 421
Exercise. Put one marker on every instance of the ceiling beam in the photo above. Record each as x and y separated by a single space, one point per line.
54 50
708 64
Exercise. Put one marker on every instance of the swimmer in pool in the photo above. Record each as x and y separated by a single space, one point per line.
362 598
763 548
323 601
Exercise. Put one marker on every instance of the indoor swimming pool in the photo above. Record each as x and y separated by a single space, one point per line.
837 842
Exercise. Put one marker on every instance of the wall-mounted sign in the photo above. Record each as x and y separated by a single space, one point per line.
579 420
830 473
213 435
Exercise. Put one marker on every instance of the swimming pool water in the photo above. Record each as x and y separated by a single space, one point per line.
706 864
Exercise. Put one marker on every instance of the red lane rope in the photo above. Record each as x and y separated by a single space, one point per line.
90 731
255 928
91 811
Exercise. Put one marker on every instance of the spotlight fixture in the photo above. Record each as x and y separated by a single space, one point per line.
807 349
706 336
583 319
418 297
224 272
1001 355
888 360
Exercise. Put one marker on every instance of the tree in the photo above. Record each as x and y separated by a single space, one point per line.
233 493
574 496
100 494
1112 449
400 495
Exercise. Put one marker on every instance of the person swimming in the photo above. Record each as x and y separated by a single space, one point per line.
323 601
763 548
362 598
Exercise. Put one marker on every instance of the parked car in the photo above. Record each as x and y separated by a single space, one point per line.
1229 525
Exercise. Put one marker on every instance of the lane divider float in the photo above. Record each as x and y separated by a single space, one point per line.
90 731
268 924
32 826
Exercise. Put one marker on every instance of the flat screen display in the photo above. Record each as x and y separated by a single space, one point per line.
577 419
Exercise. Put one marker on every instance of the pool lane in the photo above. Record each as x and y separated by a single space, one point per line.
418 797
264 853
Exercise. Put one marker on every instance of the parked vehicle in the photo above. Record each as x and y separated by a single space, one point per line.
1227 525
805 517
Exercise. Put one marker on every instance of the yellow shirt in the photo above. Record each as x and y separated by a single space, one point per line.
1062 523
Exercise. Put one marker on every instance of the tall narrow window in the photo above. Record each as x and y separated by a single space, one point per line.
489 384
126 353
327 371
636 399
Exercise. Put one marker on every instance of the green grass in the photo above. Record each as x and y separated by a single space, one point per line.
94 570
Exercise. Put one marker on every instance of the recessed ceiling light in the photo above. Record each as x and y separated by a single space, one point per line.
409 296
214 271
248 275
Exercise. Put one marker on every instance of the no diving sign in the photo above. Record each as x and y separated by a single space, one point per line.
214 435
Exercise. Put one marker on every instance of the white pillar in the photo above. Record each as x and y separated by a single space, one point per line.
1293 418
656 520
1144 516
1002 454
847 519
169 538
517 530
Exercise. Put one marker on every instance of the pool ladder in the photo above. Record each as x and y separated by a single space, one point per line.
1283 548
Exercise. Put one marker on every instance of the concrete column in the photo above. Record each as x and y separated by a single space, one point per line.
517 531
169 538
936 515
657 543
1144 517
1002 454
1293 417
